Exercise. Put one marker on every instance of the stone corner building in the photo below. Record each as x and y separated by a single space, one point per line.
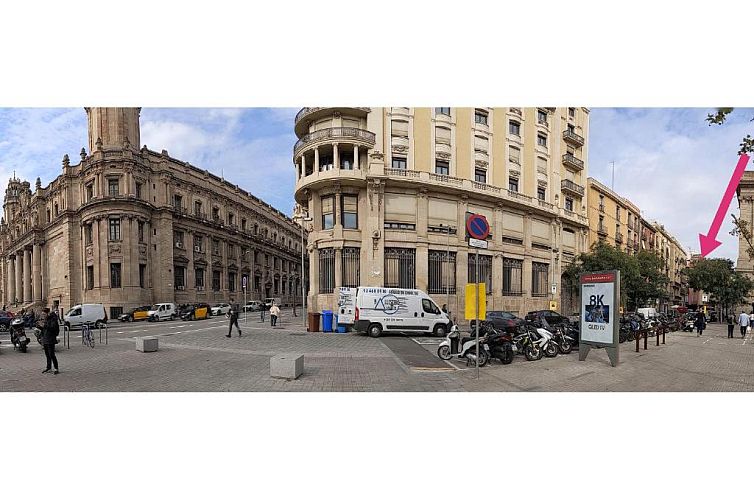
128 226
745 193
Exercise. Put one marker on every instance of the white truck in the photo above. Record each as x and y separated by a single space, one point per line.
346 305
380 309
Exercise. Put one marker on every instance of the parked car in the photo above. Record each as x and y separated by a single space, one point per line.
504 321
196 312
551 317
85 313
268 303
136 314
163 311
220 309
253 306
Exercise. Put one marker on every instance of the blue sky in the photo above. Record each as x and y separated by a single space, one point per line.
667 161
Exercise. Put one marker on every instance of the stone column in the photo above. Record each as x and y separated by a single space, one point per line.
316 159
335 158
36 274
338 267
27 275
19 276
42 272
355 157
11 279
303 166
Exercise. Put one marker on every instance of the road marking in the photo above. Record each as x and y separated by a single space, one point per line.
431 369
705 342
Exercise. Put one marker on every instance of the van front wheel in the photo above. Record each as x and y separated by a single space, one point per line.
374 330
440 330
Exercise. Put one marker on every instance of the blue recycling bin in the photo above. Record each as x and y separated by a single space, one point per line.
327 320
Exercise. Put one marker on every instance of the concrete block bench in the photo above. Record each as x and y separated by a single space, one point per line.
287 366
146 344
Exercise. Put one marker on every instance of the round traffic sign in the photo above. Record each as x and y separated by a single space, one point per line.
477 227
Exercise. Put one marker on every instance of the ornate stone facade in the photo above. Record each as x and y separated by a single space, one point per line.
128 226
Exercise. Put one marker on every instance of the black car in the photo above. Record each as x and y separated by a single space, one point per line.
551 317
5 319
502 320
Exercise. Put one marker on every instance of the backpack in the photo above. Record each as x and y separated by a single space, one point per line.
52 324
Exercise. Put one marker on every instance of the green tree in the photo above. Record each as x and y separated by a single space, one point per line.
641 274
717 277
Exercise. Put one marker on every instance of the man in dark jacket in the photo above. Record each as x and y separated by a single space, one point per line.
234 312
49 338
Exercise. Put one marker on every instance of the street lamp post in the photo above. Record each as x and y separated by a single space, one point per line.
303 271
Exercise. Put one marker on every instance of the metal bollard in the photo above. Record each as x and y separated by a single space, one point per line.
637 335
663 336
657 336
646 334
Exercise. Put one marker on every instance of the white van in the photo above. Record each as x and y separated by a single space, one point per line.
346 305
381 309
85 313
647 313
163 311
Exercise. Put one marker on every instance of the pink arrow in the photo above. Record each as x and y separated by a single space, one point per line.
708 243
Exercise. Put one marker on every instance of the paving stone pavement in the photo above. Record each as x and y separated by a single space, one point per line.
196 356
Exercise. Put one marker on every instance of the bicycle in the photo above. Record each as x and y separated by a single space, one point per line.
87 337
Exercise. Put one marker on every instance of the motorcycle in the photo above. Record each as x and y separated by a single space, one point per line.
563 341
545 340
500 343
455 346
525 342
18 334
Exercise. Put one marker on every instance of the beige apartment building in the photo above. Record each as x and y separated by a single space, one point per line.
128 226
617 221
388 191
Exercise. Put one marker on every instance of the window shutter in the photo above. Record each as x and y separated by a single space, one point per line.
442 135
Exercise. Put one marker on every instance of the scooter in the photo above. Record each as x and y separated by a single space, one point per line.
456 347
18 334
500 344
546 342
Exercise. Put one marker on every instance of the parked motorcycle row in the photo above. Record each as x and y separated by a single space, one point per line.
532 339
634 325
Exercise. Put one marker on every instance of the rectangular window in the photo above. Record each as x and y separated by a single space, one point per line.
143 276
115 275
572 112
541 193
568 204
179 277
177 201
400 268
349 211
571 128
442 110
442 167
140 230
231 281
513 184
114 229
215 247
346 159
392 225
328 212
541 139
231 251
89 192
399 163
197 208
112 187
514 128
216 280
442 272
198 243
90 277
541 116
199 278
539 279
178 238
351 257
138 190
513 274
480 175
216 214
326 270
243 224
231 219
88 234
116 311
485 271
514 155
480 116
257 282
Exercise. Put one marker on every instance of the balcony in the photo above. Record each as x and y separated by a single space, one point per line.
357 135
573 161
572 187
602 230
307 114
573 138
601 208
618 238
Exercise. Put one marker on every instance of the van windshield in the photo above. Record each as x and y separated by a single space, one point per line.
156 307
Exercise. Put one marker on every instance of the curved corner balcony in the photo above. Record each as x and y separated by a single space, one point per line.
355 136
309 114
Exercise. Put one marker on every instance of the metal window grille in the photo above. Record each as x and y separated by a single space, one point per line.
326 270
115 229
199 277
90 277
512 277
539 278
143 275
115 275
400 267
350 257
442 272
215 280
179 276
231 282
485 271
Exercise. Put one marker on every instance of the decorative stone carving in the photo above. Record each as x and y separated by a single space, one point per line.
400 148
89 252
443 155
481 163
114 249
513 173
542 183
143 250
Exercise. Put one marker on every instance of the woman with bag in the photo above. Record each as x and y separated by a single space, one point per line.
49 339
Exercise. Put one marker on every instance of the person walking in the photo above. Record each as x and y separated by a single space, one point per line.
274 312
700 323
233 313
730 327
50 330
743 322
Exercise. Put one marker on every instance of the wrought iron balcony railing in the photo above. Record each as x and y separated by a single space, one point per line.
329 133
